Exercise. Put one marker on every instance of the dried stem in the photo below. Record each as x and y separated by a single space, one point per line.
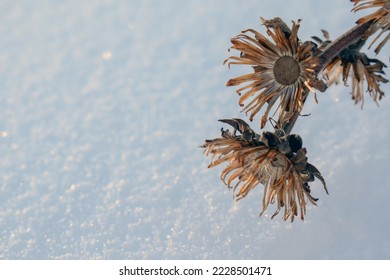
288 126
333 49
343 42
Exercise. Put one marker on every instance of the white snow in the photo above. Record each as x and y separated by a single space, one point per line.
103 105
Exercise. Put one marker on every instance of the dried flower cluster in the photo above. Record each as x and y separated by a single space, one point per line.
274 160
284 72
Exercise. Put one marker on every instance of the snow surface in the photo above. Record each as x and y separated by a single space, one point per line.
103 105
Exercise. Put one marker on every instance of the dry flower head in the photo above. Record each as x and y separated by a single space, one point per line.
356 69
273 160
283 70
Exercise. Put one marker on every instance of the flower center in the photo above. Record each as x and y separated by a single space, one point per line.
286 70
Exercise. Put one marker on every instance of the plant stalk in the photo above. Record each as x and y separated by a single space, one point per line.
344 41
332 50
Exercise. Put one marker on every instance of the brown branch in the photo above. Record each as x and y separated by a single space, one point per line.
344 41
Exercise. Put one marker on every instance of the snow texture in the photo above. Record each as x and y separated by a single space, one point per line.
103 105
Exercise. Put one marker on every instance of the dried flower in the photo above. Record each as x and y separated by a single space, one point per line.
381 17
355 68
282 70
362 70
285 71
274 160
